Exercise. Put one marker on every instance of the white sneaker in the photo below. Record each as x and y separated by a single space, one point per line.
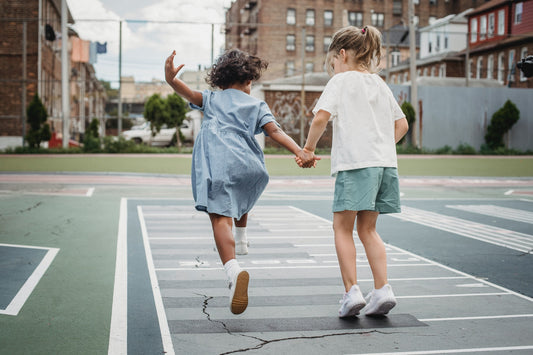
238 297
352 302
380 302
241 248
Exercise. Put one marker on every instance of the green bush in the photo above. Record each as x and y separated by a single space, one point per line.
501 123
39 130
465 149
91 141
409 112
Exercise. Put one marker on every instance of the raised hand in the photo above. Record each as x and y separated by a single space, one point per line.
170 70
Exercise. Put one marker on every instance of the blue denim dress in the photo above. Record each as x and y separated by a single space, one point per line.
228 166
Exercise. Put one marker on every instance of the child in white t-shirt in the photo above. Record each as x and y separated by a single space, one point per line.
367 123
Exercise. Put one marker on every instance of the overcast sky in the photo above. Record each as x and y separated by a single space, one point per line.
146 45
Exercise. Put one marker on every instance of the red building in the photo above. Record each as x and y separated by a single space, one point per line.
501 34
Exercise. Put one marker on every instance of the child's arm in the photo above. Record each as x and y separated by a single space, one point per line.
281 137
400 128
193 96
318 126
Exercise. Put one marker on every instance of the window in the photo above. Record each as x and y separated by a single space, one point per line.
523 54
482 27
328 18
501 22
470 68
442 71
437 48
425 72
491 25
395 58
518 13
309 43
291 17
289 68
310 17
501 67
429 47
309 67
433 71
473 30
405 76
433 2
397 7
416 2
446 41
291 42
416 20
511 65
490 66
479 67
377 19
327 42
355 18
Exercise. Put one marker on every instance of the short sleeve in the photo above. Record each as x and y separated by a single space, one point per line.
396 110
205 101
265 116
329 98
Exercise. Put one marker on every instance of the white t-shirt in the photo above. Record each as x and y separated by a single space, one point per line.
363 110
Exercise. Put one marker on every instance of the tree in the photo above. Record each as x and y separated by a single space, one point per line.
409 113
170 111
36 117
178 108
501 122
91 141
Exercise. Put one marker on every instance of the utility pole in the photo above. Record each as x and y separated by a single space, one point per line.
119 114
24 78
212 44
65 92
412 62
302 95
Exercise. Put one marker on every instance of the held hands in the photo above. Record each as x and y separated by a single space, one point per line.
170 70
306 158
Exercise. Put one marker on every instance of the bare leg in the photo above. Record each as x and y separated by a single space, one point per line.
241 222
374 247
223 236
343 223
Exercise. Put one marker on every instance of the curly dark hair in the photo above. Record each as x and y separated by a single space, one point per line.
235 66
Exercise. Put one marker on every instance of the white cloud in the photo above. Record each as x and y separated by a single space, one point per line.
145 45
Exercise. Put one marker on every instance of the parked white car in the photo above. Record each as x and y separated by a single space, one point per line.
142 134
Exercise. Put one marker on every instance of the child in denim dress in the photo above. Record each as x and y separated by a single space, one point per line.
228 168
367 122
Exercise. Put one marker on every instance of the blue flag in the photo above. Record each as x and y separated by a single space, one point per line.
101 47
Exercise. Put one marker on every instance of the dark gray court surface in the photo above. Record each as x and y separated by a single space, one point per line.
178 299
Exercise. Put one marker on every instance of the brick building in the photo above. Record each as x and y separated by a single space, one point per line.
501 34
496 36
274 29
40 20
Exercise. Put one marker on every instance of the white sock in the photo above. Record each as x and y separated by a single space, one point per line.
240 235
232 268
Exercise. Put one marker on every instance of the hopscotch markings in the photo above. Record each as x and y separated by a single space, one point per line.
497 211
489 234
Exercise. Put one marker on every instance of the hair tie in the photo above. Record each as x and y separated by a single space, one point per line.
363 31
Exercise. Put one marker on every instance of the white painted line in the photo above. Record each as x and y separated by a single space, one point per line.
476 318
118 333
509 192
456 351
485 233
458 295
27 288
463 274
168 347
200 268
90 192
512 214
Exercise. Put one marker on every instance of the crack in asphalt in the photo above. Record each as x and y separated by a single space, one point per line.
264 342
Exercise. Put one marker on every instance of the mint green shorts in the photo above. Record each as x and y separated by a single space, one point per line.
367 189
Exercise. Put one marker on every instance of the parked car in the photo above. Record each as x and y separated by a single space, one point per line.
142 134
